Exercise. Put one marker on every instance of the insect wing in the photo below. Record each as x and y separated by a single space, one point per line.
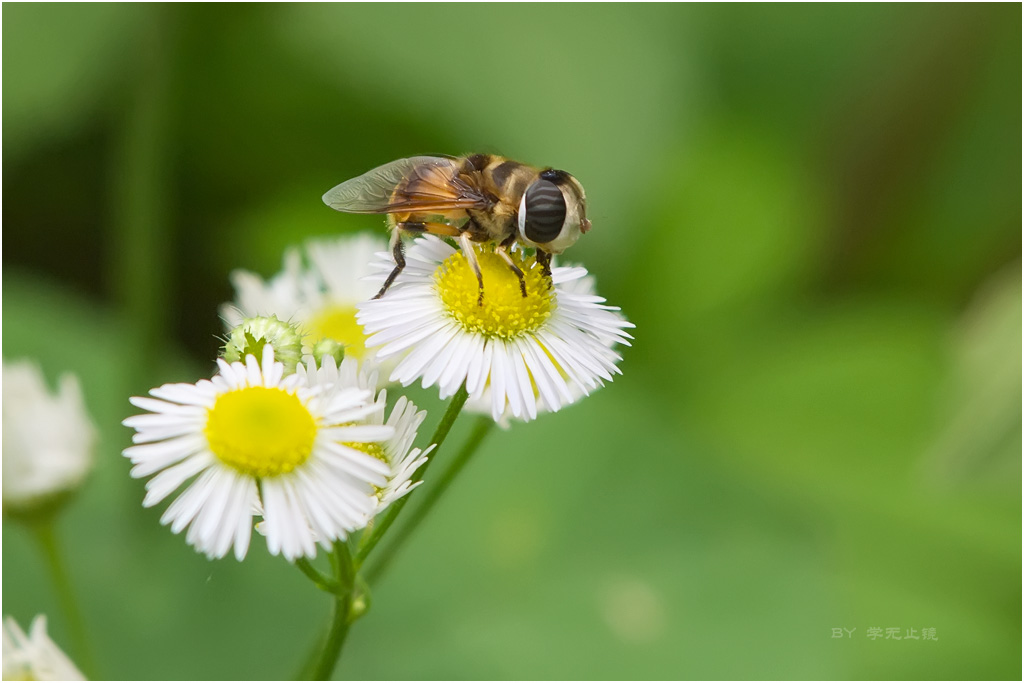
407 185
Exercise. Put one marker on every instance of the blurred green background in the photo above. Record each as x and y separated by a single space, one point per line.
811 213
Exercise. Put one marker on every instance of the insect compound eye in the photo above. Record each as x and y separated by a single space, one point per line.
542 213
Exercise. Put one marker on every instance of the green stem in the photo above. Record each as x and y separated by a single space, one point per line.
370 541
47 537
481 429
322 582
345 567
340 621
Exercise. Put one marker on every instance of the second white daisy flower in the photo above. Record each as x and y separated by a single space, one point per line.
252 440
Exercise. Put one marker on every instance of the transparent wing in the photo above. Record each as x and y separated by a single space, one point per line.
407 185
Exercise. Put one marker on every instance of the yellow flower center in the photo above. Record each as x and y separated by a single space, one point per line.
505 312
339 323
259 431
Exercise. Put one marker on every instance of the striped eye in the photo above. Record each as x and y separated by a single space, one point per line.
542 212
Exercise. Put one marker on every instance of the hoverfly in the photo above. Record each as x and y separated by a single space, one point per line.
477 198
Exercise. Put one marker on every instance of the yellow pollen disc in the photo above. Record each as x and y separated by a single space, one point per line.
339 323
259 431
505 312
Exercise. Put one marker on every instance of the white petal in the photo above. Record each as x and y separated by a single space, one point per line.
168 481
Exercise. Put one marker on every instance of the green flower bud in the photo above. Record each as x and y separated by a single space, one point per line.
360 604
328 348
252 334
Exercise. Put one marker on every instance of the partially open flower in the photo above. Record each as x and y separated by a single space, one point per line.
397 452
48 439
33 656
256 440
321 298
539 350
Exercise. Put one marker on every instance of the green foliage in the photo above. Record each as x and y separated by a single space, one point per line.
62 62
811 214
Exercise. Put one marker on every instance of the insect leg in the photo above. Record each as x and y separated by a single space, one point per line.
470 253
398 251
501 250
544 259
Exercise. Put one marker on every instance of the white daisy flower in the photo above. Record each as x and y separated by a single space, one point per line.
257 442
48 438
397 452
320 299
34 657
538 350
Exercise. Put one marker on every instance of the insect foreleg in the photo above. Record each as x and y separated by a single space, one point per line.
544 259
502 251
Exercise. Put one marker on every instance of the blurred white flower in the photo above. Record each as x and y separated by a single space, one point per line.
321 299
255 442
527 353
48 438
34 657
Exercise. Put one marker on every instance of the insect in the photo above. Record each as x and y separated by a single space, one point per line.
477 198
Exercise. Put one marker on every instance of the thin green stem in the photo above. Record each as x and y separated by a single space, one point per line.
340 621
481 429
47 537
370 541
345 567
321 581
